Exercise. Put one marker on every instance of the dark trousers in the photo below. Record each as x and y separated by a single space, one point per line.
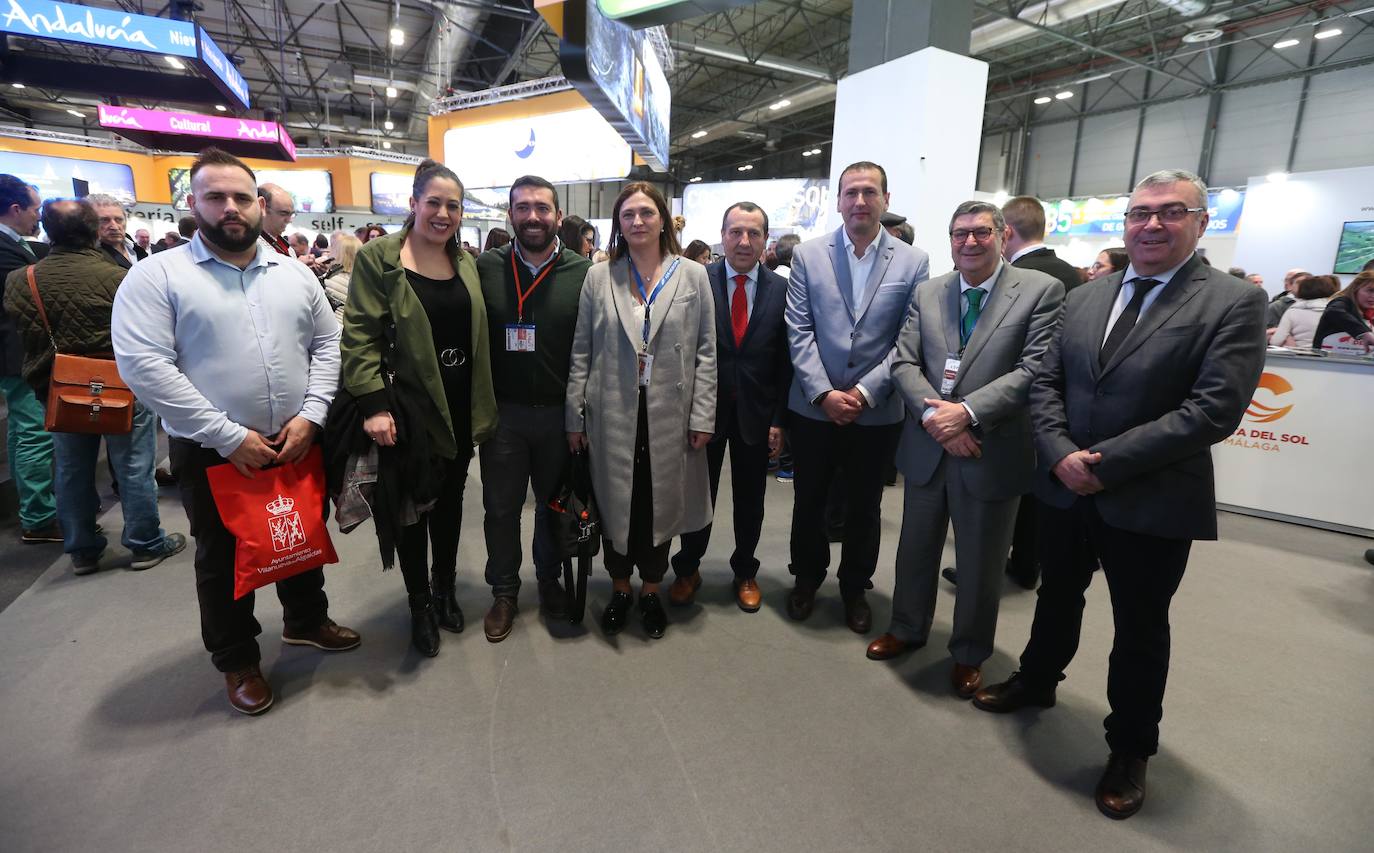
651 559
436 532
530 448
1142 574
1024 561
228 627
819 449
748 479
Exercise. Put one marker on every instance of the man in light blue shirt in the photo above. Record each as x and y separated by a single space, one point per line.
237 350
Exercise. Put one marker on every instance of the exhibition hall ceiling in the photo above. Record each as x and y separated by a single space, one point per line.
752 85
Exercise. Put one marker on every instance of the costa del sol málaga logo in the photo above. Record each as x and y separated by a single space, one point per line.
1260 413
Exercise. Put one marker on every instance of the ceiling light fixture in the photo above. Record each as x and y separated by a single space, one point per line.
780 104
222 108
746 167
389 124
17 85
175 63
386 144
76 113
1063 96
1199 36
1280 45
695 180
398 36
699 134
391 91
1043 99
1326 34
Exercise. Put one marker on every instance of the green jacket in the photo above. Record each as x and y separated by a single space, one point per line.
538 378
379 295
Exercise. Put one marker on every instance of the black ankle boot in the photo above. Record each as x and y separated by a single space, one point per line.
424 625
446 602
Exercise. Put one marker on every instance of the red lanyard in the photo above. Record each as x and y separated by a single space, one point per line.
521 297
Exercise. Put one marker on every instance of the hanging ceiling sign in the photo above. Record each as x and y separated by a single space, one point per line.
190 132
114 28
649 13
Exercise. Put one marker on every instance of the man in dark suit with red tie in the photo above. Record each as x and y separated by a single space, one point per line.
1148 369
754 372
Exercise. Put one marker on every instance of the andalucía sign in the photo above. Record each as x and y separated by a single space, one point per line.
100 27
190 132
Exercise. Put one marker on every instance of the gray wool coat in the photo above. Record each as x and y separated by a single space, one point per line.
603 394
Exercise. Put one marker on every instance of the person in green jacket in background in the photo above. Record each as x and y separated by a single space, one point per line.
421 283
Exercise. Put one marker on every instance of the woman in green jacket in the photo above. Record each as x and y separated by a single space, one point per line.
420 282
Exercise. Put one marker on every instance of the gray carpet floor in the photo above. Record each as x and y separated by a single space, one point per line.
742 732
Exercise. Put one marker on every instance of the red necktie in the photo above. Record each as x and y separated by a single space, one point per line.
739 309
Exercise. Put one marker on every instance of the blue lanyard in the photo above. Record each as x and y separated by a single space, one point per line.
650 297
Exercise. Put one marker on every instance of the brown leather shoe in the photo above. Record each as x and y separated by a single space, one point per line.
966 680
1121 792
684 589
887 647
500 618
329 636
249 692
747 595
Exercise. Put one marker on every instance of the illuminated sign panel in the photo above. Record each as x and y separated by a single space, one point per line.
648 13
223 70
794 206
495 154
100 27
1096 216
53 175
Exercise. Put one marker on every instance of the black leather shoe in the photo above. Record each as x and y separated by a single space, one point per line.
1121 791
857 614
446 609
552 599
424 625
950 575
1013 694
616 613
800 602
651 613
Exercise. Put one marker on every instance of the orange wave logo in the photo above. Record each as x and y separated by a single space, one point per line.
1260 413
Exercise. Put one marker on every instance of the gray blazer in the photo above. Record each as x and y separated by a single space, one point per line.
1178 384
603 394
995 373
836 345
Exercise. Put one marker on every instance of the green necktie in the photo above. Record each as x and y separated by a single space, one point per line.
975 305
28 250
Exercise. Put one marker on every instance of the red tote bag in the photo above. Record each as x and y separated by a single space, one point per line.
278 519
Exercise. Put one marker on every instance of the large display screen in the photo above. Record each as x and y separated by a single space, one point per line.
495 154
391 193
617 71
313 189
794 205
1074 217
53 175
1355 249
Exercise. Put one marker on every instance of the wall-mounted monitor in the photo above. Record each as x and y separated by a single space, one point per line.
1356 247
313 189
54 176
794 206
496 153
391 193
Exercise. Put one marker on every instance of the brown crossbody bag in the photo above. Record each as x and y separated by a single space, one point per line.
85 395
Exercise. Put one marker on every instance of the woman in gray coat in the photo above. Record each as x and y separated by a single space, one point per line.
642 398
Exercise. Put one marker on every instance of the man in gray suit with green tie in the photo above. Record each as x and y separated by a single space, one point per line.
966 355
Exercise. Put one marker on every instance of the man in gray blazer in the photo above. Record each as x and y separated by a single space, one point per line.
971 344
846 300
1148 369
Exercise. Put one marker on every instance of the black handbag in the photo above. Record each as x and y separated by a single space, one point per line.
574 527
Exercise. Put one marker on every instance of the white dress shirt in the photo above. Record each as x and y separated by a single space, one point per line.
1123 297
216 350
1026 250
860 267
783 270
750 286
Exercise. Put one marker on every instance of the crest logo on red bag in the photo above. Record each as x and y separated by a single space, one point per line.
285 525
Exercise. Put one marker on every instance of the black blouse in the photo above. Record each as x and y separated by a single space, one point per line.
449 309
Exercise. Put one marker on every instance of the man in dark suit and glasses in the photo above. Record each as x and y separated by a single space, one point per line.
754 370
1148 369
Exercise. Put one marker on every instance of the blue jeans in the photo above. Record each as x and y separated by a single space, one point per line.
132 459
30 453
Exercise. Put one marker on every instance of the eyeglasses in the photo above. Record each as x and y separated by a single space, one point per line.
1168 213
960 235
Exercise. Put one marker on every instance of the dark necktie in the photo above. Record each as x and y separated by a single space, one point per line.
739 309
1127 320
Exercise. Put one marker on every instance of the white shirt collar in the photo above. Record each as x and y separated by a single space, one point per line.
1163 278
10 232
557 250
1026 250
849 244
752 274
987 285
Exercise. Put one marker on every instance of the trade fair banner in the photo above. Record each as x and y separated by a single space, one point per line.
495 154
1097 216
794 206
185 131
1297 452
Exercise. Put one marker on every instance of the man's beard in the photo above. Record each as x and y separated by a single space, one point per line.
216 234
536 239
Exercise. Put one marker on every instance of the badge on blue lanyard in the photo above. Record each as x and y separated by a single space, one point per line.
649 298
